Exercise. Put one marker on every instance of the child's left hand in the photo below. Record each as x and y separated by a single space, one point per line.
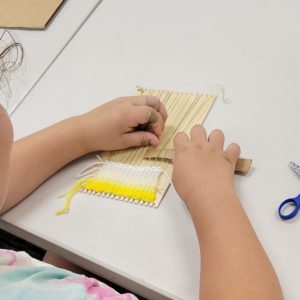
121 124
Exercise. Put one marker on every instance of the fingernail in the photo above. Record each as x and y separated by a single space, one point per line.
152 143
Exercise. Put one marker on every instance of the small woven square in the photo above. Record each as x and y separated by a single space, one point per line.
120 181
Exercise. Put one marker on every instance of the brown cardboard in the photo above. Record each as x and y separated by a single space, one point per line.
34 14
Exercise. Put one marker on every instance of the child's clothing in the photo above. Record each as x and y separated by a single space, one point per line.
23 277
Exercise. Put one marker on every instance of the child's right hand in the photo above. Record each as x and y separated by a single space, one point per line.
201 167
118 124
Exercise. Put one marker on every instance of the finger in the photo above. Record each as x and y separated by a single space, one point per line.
232 153
198 135
141 138
155 121
180 142
216 138
151 101
148 117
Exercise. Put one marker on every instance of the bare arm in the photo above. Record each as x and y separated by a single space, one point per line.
234 265
38 156
107 127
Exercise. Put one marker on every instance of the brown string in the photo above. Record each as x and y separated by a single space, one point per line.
11 58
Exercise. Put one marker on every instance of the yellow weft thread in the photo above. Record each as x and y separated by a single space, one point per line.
138 192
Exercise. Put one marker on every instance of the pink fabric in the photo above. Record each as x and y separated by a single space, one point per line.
99 289
22 274
7 257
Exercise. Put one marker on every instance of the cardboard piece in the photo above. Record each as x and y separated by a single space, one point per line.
33 14
243 165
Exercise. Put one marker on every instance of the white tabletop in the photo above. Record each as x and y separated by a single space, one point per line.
249 47
42 47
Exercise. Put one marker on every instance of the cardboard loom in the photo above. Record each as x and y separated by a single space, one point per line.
142 175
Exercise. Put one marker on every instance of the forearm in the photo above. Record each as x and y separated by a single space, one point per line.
233 262
38 156
4 167
111 126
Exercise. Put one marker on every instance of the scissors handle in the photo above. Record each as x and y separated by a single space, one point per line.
289 202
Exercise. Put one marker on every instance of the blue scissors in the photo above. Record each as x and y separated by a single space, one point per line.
294 202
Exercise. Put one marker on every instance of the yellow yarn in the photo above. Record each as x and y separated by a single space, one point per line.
136 192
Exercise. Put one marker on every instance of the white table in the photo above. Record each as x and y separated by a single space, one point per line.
42 47
252 49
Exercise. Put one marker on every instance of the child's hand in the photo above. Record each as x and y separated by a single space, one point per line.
122 123
201 166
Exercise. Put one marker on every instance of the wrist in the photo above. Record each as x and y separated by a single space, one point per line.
204 198
89 134
72 132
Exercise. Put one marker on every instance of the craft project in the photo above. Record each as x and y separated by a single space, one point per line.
142 175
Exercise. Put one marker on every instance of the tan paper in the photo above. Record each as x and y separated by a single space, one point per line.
27 13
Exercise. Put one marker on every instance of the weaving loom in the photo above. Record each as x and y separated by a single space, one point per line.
142 175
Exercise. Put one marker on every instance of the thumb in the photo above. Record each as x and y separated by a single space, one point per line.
141 138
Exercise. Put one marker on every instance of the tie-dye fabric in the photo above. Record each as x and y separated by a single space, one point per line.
22 277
